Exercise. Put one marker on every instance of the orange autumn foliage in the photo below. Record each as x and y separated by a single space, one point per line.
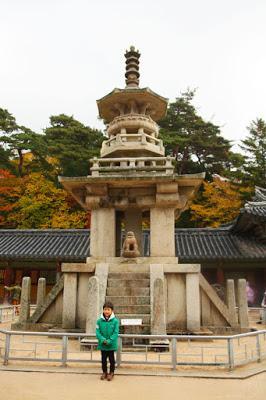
220 203
42 205
10 191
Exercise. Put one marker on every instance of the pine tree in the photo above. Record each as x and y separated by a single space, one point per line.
196 144
255 147
72 144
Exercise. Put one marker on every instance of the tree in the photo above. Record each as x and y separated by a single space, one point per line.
16 141
10 191
72 144
255 146
196 144
42 205
219 203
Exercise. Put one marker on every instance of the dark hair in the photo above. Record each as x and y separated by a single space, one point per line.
108 304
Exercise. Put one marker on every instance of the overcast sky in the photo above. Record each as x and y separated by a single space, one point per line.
59 56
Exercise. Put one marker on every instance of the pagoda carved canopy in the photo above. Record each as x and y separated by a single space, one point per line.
131 114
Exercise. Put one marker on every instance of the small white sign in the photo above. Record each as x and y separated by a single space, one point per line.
131 321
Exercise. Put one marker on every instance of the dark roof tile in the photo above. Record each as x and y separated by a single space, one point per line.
192 245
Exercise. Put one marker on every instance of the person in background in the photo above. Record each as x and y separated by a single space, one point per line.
250 295
15 296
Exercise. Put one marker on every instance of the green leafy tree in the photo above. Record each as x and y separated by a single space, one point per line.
255 147
196 144
7 124
72 145
16 141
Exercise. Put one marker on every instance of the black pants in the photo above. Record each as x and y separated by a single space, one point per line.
111 355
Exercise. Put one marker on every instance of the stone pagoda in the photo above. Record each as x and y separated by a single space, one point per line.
133 182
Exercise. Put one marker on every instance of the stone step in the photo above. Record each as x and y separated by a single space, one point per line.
128 283
127 267
128 291
128 275
146 318
139 309
128 300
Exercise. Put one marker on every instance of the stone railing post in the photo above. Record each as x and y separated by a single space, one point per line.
231 302
41 292
242 303
93 304
25 300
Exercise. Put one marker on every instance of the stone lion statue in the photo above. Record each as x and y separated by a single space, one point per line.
130 246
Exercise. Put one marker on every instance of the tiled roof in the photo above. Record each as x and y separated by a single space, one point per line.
54 244
255 208
192 245
258 205
251 220
260 194
217 244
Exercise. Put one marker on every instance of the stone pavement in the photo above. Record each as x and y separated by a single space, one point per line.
44 386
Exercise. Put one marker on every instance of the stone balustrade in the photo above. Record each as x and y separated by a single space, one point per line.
133 123
140 165
132 142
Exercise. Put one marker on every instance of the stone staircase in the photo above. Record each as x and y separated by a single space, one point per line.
129 292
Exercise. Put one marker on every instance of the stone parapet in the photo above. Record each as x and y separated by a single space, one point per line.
132 123
140 144
140 165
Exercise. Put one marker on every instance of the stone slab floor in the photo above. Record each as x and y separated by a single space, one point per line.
44 386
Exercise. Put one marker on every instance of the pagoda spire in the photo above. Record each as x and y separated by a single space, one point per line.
132 68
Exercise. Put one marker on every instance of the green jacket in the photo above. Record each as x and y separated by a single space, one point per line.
107 331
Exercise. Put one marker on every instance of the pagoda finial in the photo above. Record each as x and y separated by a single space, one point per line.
132 67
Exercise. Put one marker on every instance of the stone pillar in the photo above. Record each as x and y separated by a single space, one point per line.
162 232
101 271
102 232
231 302
159 318
156 272
69 300
118 232
133 222
25 300
193 302
242 304
93 304
41 292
